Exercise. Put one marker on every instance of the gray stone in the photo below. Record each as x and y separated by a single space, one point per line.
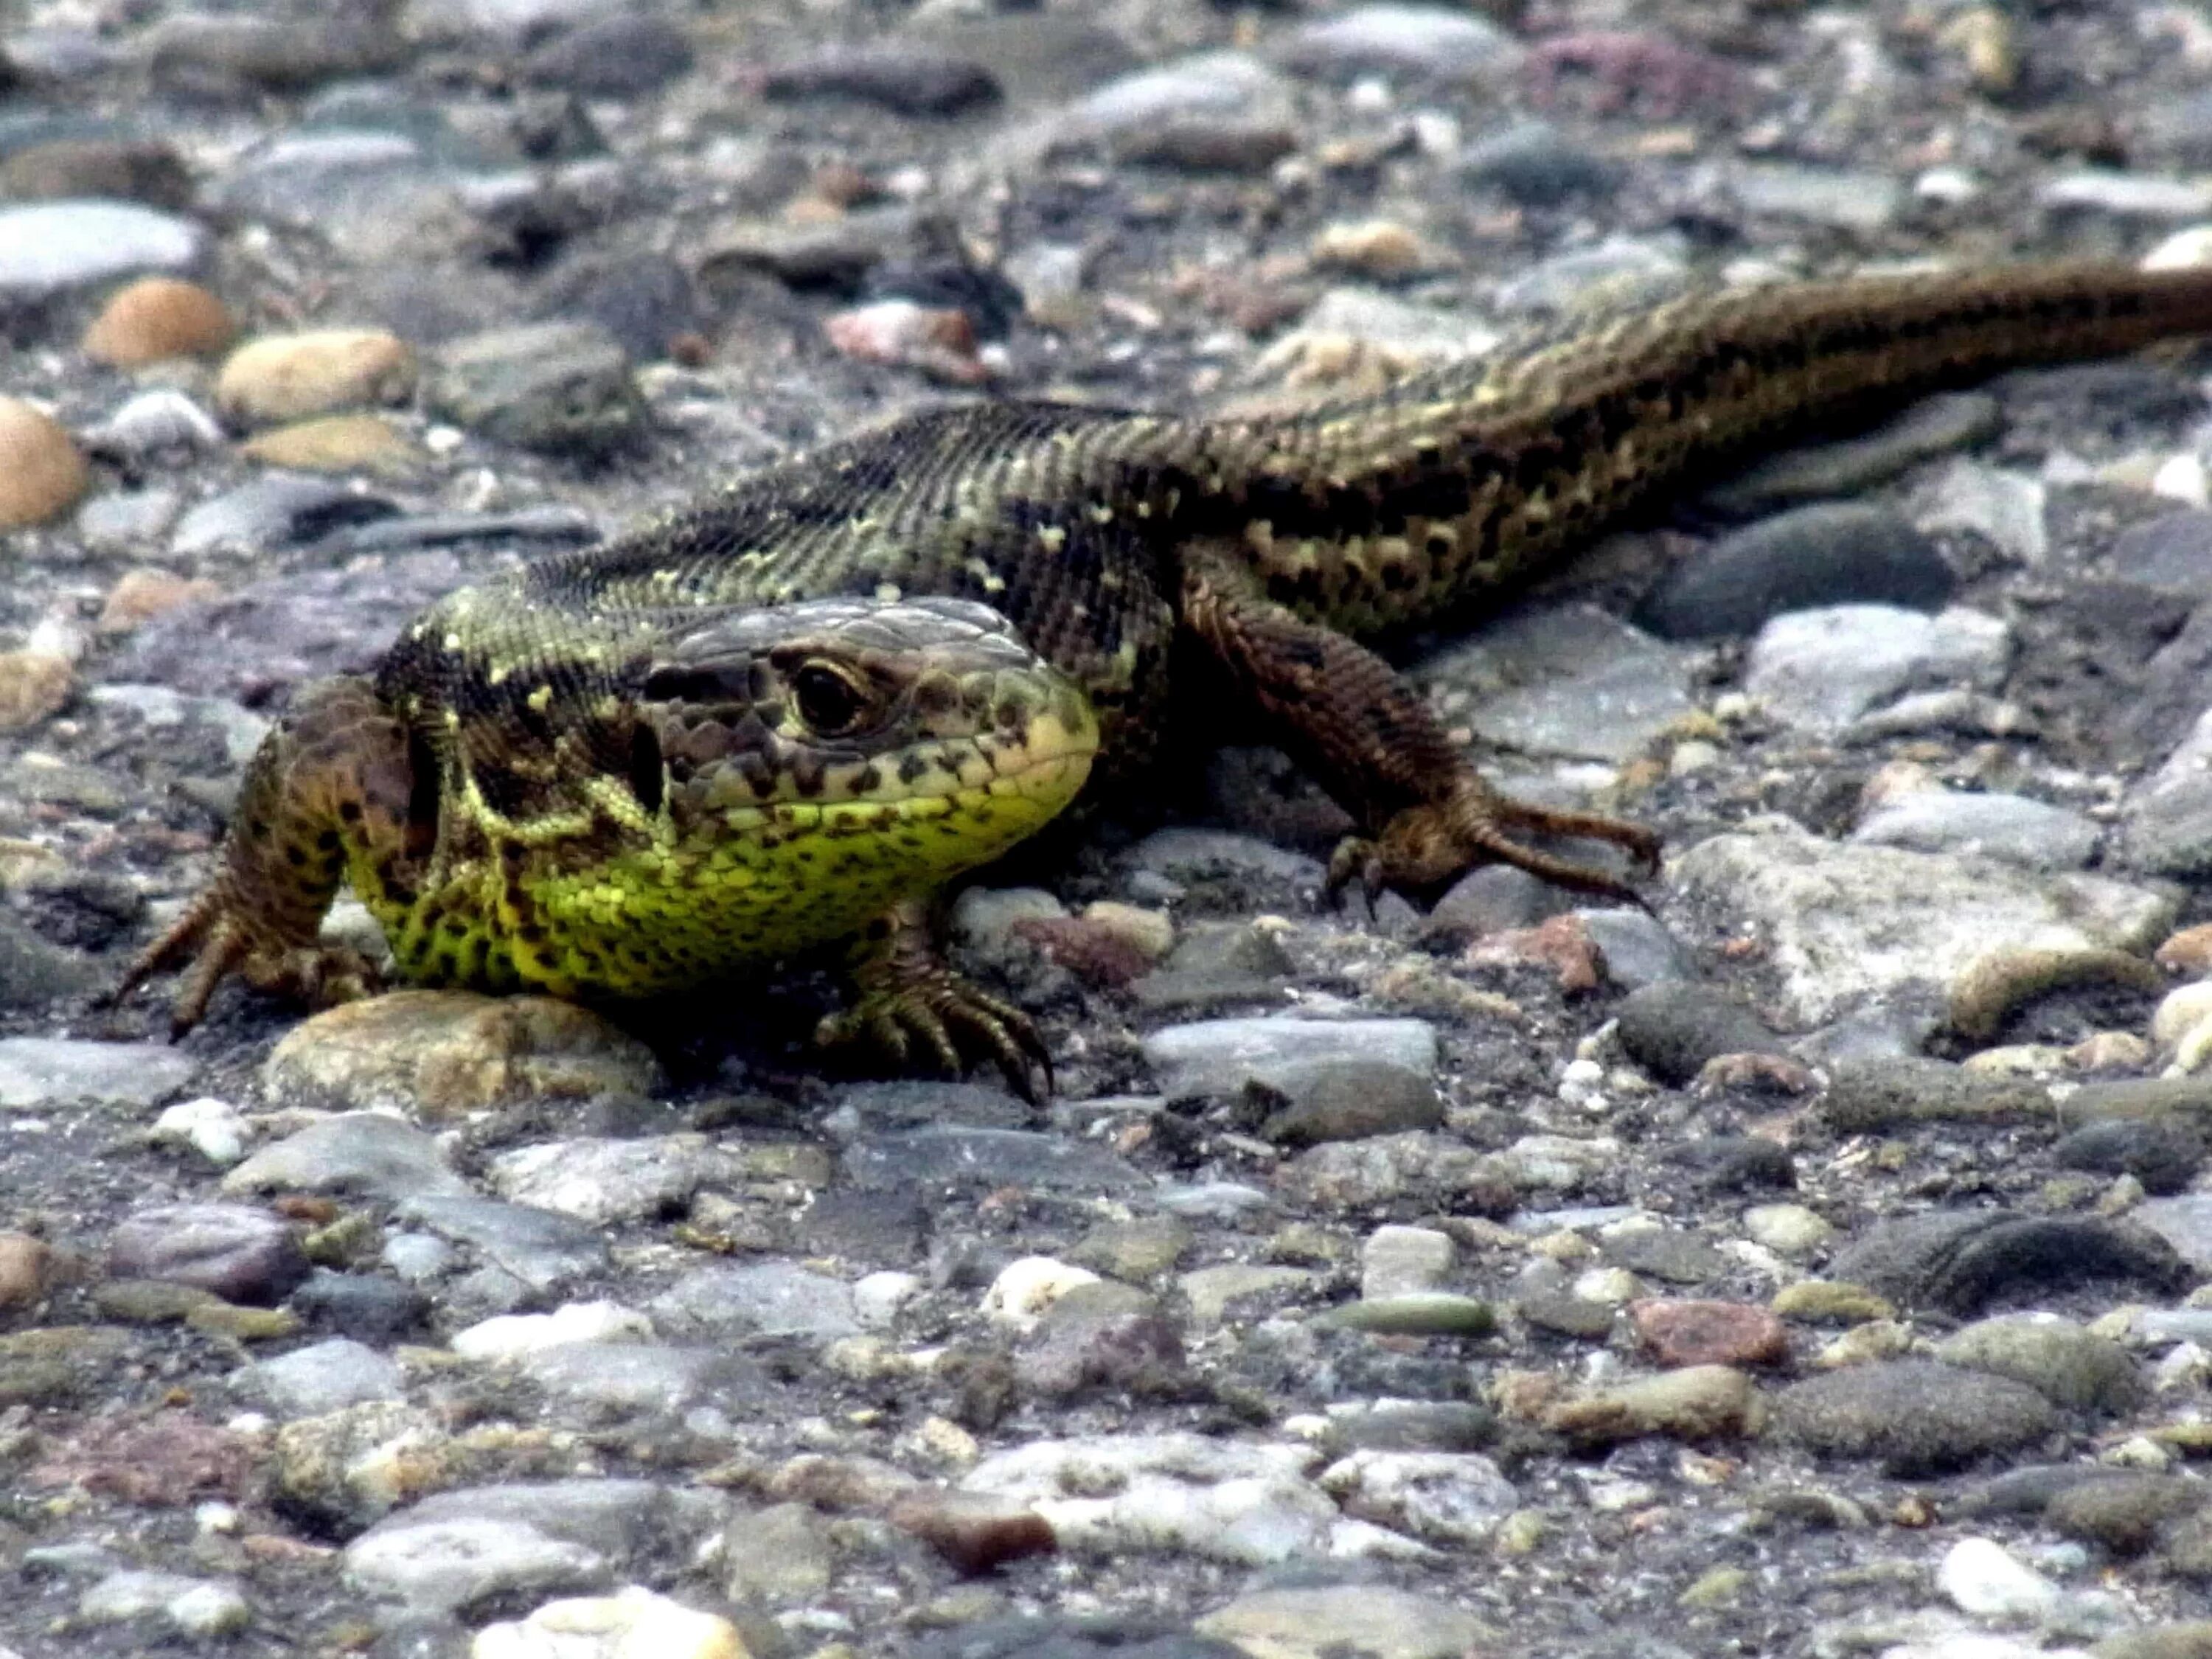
542 1250
2004 508
1347 1099
1832 553
327 1376
2163 1157
1535 164
2170 815
1916 1417
2171 553
1844 925
2011 827
46 1072
162 422
2184 1223
972 1156
1220 1057
35 975
620 56
1960 1261
438 1568
51 247
1406 39
763 1298
1574 683
1639 951
276 509
1821 670
1842 199
602 1181
364 1153
2127 195
1620 271
592 1382
1672 1028
564 388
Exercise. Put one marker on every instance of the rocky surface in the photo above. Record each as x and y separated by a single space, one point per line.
1819 1265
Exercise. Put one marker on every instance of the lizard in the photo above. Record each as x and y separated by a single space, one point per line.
791 711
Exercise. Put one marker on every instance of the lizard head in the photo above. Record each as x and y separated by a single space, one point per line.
775 777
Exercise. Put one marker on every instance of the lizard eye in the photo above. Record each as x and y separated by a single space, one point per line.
832 702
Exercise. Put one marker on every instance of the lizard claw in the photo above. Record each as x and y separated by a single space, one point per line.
951 1021
221 937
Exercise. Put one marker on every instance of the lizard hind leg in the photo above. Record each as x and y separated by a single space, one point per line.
1426 816
330 782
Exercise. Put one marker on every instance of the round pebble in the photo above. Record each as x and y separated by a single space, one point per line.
158 317
41 474
288 377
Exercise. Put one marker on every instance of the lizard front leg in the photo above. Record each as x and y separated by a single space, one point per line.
331 781
1426 816
909 997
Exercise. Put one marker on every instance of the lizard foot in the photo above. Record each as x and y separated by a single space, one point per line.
220 938
1424 846
911 1005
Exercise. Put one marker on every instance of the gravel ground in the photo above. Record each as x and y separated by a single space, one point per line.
1820 1265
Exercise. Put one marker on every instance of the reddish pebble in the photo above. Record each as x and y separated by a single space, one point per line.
24 1265
908 336
974 1533
41 474
1678 1334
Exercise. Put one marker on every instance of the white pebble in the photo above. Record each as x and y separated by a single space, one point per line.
1024 1289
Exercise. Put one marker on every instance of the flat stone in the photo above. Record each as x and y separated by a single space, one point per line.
1673 1029
1573 682
364 1153
1959 1260
327 1376
1219 1057
49 247
1406 40
1843 199
604 1180
765 1298
240 1253
2069 1366
966 1157
1821 670
45 1072
564 388
1846 925
1851 466
541 1248
2011 827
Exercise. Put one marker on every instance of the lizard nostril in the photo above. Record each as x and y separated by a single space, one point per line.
647 780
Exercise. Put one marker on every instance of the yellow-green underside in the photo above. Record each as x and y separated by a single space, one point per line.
745 885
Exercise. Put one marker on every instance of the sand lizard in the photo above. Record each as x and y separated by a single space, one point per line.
790 712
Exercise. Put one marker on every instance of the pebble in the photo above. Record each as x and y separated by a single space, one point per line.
364 1153
631 1623
543 1251
1791 1231
45 474
2006 826
1679 1334
1673 1030
1916 1417
563 388
2069 1366
38 1073
1846 199
1219 1057
1453 1500
908 78
324 1378
288 377
1959 1261
1359 1621
436 1567
1851 466
147 171
617 56
1424 41
2164 1157
1026 1288
35 685
200 1608
1982 1579
2127 195
159 423
49 248
154 319
763 1298
445 1053
241 1254
277 509
1401 1260
210 1127
1213 83
1698 1403
1838 553
1572 682
511 1336
1821 670
338 443
604 1182
1536 165
24 1266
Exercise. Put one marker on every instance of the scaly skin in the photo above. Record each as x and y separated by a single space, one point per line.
491 798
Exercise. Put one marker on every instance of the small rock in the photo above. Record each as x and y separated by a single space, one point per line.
2013 827
45 474
1453 1500
24 1265
563 388
33 685
240 1255
146 171
1917 1417
905 76
1860 202
444 1054
1852 466
157 318
631 1623
1672 1030
1832 553
1821 670
49 247
1961 1261
619 56
606 1180
901 334
288 377
2163 1156
326 1377
1402 1260
1700 1402
1982 1580
336 443
1218 1057
2067 1365
1424 41
1679 1334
